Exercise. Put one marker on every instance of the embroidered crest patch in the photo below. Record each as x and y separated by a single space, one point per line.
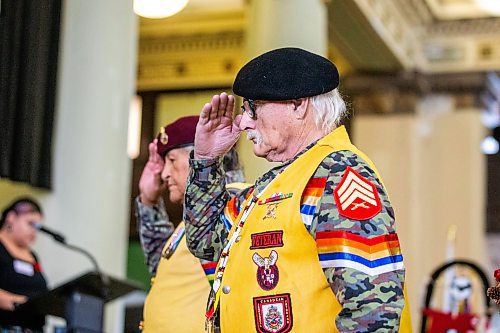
267 271
273 314
267 239
357 197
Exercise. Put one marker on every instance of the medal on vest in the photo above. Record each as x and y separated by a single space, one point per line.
275 197
271 211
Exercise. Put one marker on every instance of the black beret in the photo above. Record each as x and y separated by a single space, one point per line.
178 134
284 74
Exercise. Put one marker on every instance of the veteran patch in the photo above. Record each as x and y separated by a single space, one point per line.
264 240
356 197
267 270
273 314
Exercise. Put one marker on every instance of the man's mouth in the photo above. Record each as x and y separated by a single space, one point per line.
253 137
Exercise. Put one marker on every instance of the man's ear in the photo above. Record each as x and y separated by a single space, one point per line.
300 107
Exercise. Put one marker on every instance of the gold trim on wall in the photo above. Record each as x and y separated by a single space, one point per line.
199 51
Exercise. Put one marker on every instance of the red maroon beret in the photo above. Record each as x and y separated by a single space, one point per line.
178 134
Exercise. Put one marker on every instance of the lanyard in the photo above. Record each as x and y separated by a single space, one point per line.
213 301
176 239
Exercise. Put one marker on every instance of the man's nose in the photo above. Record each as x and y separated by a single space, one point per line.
165 173
246 122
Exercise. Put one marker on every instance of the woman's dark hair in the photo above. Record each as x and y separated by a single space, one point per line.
21 206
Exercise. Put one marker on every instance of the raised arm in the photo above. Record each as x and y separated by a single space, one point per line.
206 195
153 223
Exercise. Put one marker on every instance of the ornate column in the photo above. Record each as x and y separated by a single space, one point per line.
279 23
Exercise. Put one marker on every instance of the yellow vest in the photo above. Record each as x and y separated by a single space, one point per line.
273 281
178 295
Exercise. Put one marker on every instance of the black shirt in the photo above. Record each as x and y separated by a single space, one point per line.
22 278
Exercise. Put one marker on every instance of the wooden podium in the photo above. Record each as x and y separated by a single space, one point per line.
80 301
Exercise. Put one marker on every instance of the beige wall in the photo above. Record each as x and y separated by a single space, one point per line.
434 171
171 106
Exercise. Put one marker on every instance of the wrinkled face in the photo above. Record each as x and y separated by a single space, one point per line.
269 129
175 173
23 229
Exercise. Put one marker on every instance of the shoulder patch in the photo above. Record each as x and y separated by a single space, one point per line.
356 197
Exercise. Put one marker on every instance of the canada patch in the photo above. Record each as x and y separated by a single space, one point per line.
357 197
273 314
267 272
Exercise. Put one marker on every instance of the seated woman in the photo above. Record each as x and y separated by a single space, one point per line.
20 272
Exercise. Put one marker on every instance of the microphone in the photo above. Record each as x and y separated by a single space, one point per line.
61 239
58 237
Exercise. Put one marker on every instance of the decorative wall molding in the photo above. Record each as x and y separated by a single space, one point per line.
423 42
201 50
400 92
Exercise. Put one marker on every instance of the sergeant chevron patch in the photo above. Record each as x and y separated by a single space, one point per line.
357 197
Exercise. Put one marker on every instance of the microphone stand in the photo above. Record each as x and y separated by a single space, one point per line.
62 240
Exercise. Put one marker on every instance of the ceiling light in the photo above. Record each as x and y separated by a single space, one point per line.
158 8
489 146
490 6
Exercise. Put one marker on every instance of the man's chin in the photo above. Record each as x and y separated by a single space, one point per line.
259 152
175 198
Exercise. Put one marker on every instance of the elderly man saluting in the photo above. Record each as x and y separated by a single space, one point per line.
313 246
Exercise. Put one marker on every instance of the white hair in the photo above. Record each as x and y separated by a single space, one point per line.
188 148
329 110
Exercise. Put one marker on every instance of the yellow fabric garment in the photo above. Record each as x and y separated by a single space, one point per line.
273 281
178 295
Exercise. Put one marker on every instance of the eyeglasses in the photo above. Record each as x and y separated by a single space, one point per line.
248 107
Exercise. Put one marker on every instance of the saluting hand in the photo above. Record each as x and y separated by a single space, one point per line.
151 186
216 131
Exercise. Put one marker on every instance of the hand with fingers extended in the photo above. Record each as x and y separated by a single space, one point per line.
151 186
216 131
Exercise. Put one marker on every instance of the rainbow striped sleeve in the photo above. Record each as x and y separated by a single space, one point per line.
209 269
310 198
371 256
230 213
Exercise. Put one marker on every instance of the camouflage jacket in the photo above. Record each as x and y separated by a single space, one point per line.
155 229
369 302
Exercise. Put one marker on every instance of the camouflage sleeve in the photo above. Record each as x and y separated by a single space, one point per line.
204 204
372 299
154 230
